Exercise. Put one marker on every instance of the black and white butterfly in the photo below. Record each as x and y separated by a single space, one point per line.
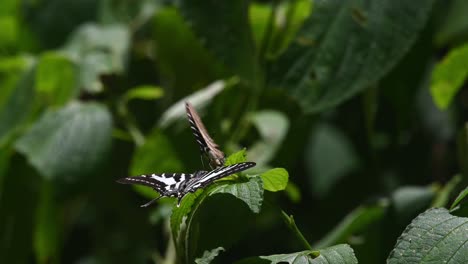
207 145
180 184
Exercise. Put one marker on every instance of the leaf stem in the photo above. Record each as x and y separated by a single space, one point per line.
289 220
130 123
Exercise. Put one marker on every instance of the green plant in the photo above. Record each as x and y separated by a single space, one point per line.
354 112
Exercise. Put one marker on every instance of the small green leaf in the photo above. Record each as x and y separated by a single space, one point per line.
145 92
250 192
449 75
209 255
275 179
238 157
435 236
56 78
339 254
462 196
272 126
70 142
157 154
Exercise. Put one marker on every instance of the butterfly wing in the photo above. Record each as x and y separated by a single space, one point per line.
163 183
203 180
205 142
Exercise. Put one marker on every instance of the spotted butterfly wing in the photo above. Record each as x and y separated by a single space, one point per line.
206 143
180 184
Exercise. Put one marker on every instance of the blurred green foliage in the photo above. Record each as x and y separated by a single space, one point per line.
354 111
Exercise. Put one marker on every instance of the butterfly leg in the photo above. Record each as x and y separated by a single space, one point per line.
150 202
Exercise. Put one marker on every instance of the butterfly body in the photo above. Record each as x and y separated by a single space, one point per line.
180 184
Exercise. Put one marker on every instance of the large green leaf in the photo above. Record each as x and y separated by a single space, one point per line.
98 50
230 40
189 221
449 75
70 142
250 192
183 63
16 94
329 157
339 254
435 236
346 46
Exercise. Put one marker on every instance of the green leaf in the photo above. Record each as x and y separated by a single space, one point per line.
238 157
272 126
145 92
157 154
180 214
16 94
250 192
288 17
329 157
56 78
435 236
356 221
98 50
184 64
345 47
462 196
70 142
409 201
198 99
48 226
275 179
231 40
209 255
339 254
184 221
449 75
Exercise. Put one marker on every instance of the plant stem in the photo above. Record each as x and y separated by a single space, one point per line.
292 225
130 123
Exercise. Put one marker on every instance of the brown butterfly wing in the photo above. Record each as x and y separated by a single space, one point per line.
206 143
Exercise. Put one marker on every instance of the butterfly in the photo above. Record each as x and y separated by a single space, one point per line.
207 145
180 184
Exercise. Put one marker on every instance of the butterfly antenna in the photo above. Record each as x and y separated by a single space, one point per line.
150 202
201 158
